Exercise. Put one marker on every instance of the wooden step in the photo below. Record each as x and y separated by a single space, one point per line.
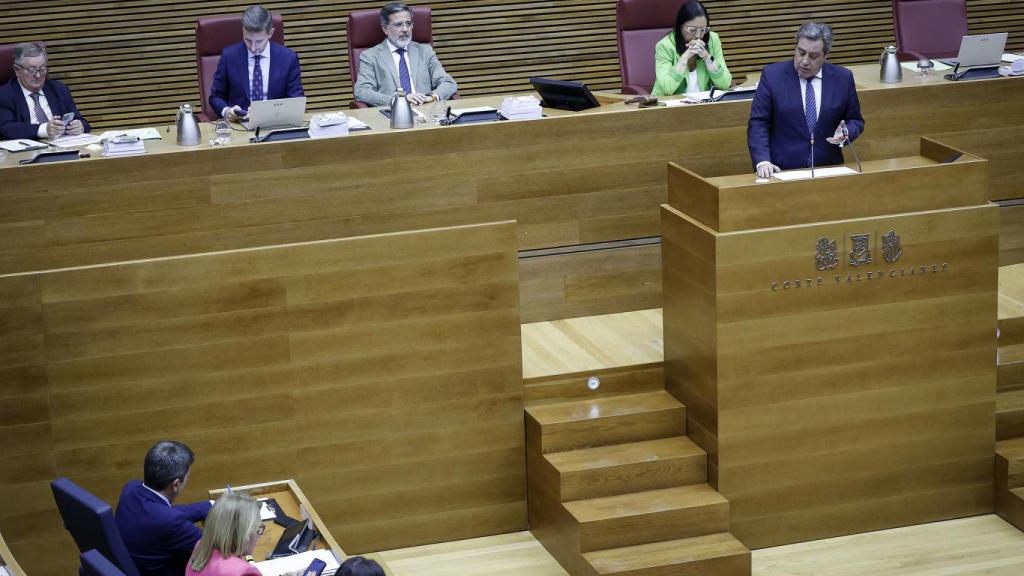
1009 414
1010 368
651 516
712 555
632 467
1010 453
612 420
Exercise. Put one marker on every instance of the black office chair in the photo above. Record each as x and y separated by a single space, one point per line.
91 523
95 564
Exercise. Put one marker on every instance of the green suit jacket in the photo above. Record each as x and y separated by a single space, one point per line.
668 82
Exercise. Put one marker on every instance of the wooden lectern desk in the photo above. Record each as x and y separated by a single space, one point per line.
7 562
834 342
295 505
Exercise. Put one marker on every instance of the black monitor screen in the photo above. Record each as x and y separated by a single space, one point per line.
564 94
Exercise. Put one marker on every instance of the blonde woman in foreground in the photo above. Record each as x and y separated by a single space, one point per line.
232 529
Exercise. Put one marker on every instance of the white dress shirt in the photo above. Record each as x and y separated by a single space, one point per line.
816 82
41 132
264 67
396 56
162 497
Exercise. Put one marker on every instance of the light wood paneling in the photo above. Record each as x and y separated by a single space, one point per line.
589 283
982 546
383 373
134 60
858 402
576 347
514 554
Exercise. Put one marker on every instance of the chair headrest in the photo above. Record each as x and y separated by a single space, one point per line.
215 32
642 14
364 28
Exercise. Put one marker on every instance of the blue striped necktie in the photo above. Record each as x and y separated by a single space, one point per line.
403 71
810 111
41 117
257 79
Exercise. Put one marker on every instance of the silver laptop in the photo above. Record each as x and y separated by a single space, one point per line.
979 51
283 113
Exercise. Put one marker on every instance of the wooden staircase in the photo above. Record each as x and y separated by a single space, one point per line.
1009 474
615 487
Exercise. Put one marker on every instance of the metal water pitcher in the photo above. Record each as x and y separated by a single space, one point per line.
401 111
891 72
188 128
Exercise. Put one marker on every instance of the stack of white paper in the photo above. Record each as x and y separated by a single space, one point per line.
144 133
520 108
123 147
298 563
328 125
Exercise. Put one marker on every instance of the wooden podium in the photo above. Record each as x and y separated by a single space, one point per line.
834 341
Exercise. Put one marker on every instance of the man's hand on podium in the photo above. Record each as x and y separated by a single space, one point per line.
766 169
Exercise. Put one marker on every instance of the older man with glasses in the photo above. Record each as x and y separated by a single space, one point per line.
32 105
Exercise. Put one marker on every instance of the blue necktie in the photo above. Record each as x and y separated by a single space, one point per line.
403 72
41 117
257 79
810 111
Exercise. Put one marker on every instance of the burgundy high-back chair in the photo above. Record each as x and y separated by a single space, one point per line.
929 28
213 34
7 61
639 25
364 32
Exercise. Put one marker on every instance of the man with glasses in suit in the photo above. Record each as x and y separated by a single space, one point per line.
32 105
398 62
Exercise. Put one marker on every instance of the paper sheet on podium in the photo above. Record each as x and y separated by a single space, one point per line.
818 173
298 563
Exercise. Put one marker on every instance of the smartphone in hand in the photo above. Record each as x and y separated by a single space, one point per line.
316 567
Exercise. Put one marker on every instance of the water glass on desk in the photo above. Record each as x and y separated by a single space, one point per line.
925 67
223 132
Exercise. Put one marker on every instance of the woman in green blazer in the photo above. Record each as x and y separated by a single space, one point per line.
689 59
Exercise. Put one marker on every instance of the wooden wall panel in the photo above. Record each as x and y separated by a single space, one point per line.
133 61
383 373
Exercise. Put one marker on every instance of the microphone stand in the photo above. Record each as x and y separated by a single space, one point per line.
846 135
812 155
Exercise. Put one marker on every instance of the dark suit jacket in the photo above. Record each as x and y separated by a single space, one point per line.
15 117
231 81
160 538
777 128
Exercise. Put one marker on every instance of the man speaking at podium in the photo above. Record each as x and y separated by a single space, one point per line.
804 109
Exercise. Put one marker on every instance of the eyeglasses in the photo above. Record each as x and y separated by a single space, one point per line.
261 529
32 71
698 31
401 25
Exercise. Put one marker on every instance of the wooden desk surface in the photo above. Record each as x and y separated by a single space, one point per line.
7 559
295 505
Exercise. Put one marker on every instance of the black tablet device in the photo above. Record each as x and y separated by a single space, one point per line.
564 94
295 539
45 157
